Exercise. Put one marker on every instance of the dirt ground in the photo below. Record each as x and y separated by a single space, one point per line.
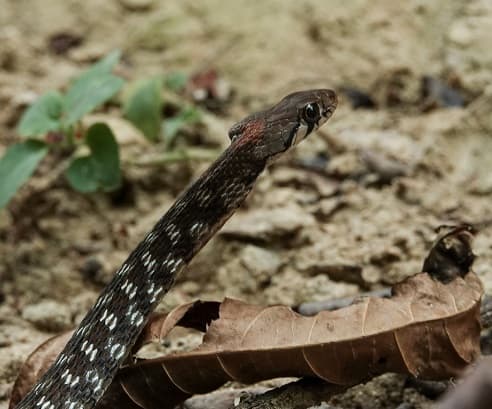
332 203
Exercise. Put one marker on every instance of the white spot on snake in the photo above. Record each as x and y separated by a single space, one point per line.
177 264
46 404
180 204
146 258
173 232
89 349
136 318
123 269
70 404
105 313
109 343
150 290
170 228
98 386
70 358
68 379
124 285
61 359
131 290
150 237
103 299
40 401
130 310
117 351
75 381
151 265
93 355
133 293
112 325
81 331
92 376
109 319
203 197
156 293
196 228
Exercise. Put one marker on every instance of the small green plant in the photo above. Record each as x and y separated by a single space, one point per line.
54 120
144 105
143 108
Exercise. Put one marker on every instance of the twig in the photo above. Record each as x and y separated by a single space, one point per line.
177 155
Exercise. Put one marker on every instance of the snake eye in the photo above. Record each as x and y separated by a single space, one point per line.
311 113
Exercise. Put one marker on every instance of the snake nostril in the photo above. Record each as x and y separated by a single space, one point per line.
333 97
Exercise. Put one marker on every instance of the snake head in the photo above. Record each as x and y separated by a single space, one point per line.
277 129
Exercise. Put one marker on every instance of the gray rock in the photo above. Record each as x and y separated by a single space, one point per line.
48 315
259 262
270 224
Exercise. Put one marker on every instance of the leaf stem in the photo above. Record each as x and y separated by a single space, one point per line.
174 156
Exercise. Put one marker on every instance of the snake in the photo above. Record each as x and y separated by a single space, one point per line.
103 340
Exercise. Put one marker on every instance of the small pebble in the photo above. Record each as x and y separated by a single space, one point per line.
48 315
91 268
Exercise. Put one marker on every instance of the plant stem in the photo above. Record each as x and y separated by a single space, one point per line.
177 155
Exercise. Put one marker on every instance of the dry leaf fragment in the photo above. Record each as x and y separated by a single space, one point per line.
427 329
451 255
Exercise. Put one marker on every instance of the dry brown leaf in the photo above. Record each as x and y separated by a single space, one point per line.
427 329
36 365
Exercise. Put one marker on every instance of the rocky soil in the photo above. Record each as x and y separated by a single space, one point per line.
353 209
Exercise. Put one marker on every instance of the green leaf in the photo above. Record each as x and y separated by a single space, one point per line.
42 116
172 126
91 89
107 63
85 96
104 66
143 108
105 152
100 169
176 81
82 175
17 165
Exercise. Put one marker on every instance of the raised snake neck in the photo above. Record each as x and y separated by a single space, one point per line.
89 361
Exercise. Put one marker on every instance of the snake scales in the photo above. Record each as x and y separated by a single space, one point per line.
89 361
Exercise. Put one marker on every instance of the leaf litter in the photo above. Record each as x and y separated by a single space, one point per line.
427 329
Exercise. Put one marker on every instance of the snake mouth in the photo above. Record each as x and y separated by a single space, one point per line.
327 113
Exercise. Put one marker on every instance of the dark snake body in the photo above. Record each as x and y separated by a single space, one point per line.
89 361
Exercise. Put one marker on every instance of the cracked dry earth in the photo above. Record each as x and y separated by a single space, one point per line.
325 222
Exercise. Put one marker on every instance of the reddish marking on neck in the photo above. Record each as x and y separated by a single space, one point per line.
251 132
